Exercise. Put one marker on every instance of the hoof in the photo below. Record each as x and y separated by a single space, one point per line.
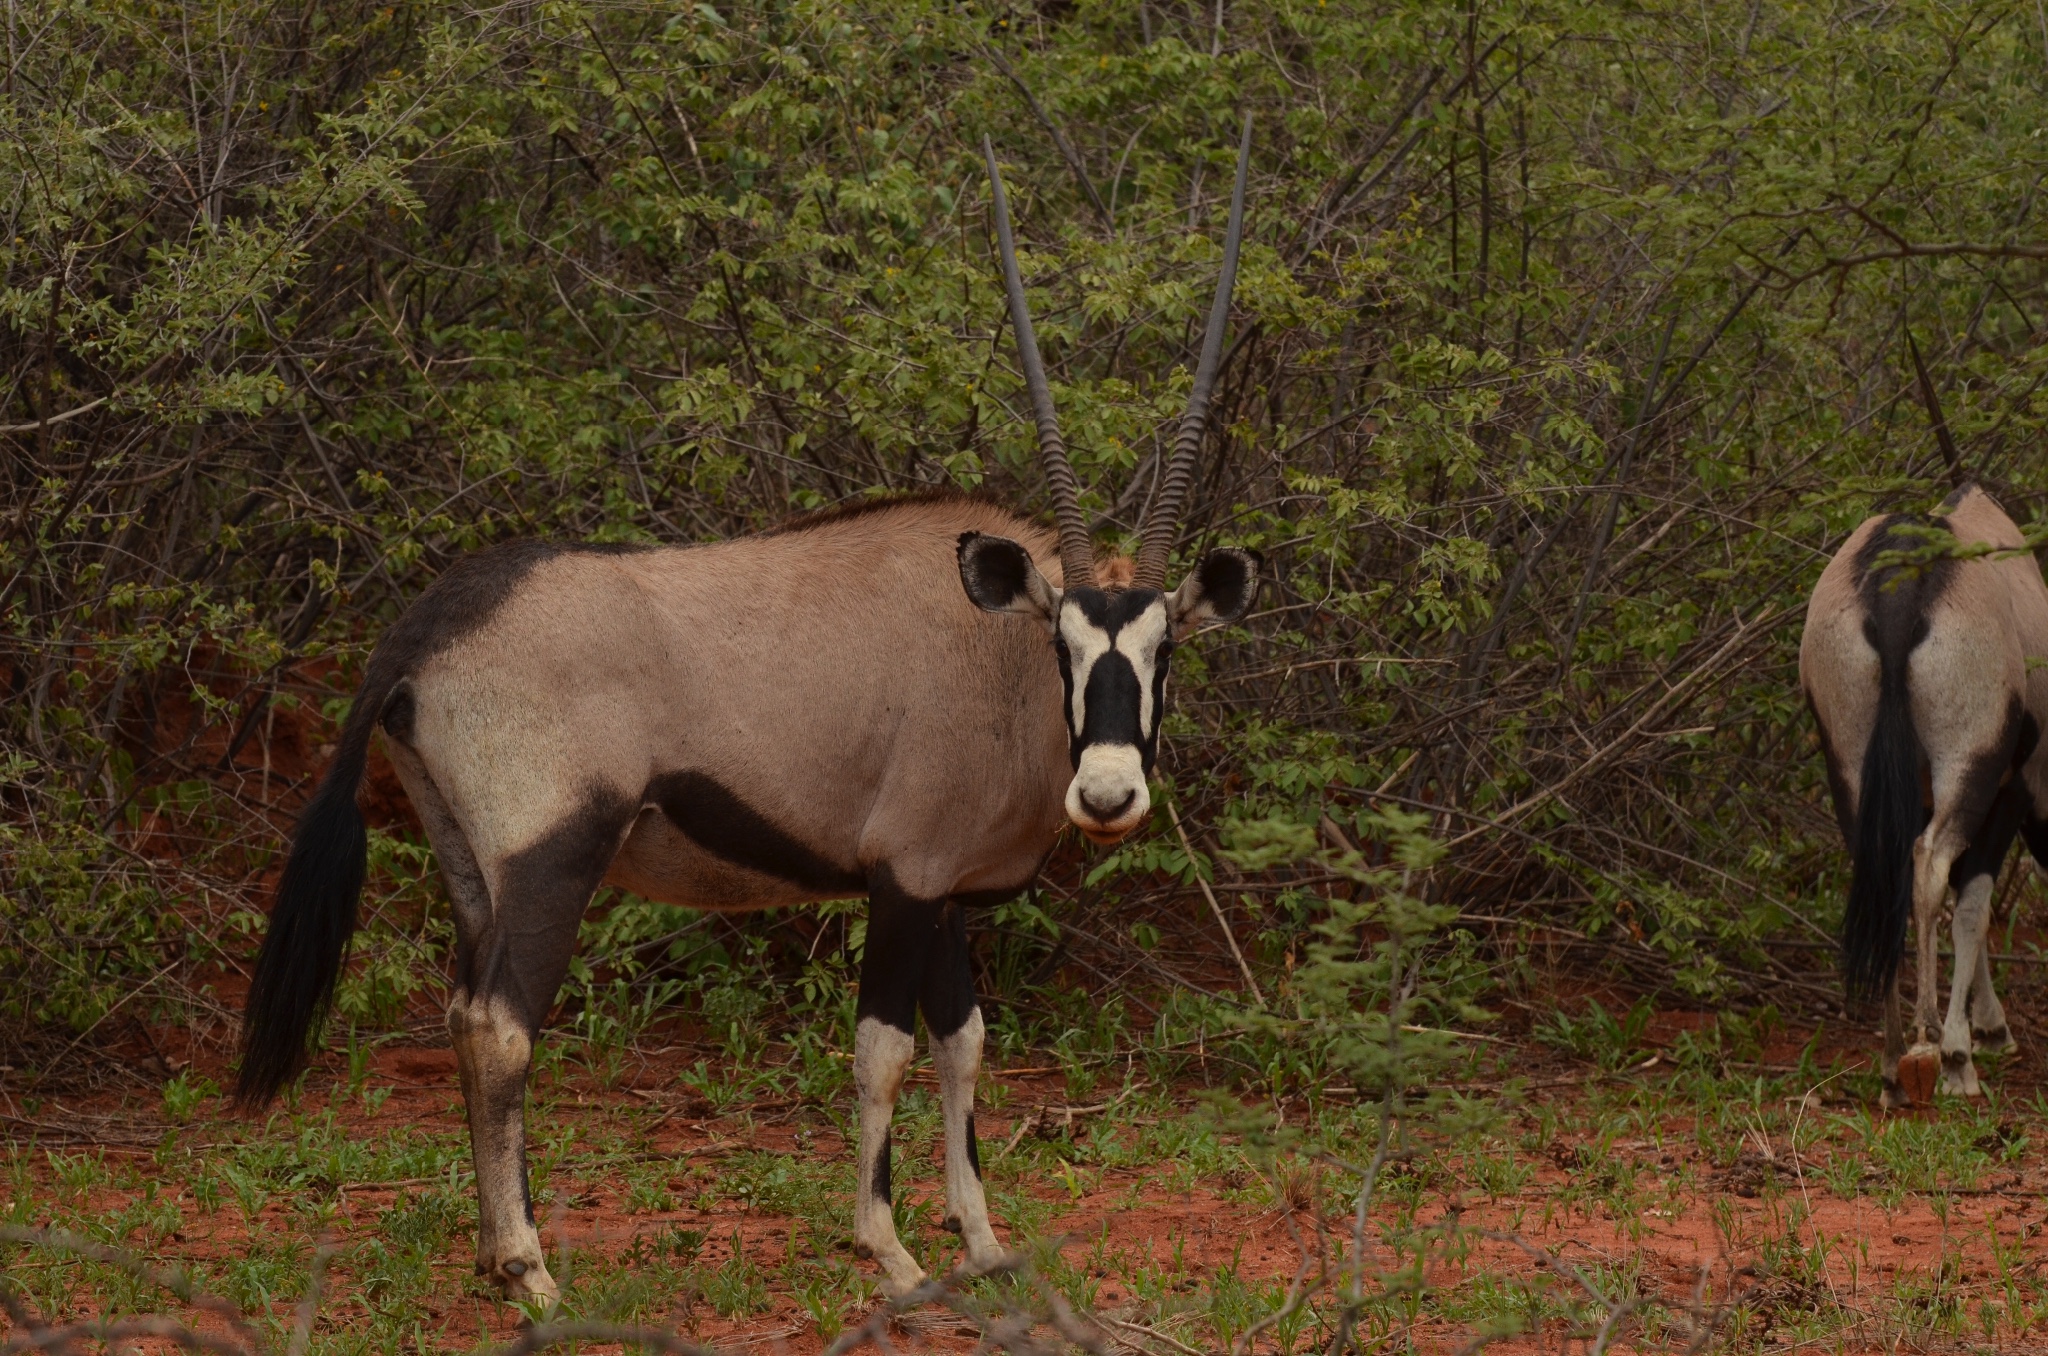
1918 1070
1959 1075
988 1263
1998 1042
896 1286
900 1272
520 1281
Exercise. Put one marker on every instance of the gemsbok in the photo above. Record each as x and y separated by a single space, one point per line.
1928 686
810 714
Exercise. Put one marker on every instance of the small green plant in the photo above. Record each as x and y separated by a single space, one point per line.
737 1288
183 1094
1612 1042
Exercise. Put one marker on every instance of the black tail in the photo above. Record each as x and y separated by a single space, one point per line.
315 913
1889 816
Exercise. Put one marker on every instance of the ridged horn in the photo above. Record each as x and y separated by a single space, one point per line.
1077 555
1155 543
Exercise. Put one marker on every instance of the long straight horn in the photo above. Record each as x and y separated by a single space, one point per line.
1957 476
1077 555
1155 544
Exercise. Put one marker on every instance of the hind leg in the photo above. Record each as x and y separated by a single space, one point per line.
952 1017
1896 1092
514 941
1934 852
1989 1030
1972 917
1975 876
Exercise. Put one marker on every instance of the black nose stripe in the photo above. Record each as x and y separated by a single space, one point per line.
1110 702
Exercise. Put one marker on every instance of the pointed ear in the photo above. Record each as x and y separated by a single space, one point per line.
999 577
1221 589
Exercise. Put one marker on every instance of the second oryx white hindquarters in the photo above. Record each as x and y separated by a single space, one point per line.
1929 688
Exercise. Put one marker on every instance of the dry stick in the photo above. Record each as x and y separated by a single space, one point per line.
1683 688
1647 410
1214 907
62 416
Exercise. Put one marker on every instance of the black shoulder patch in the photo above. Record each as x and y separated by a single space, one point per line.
718 821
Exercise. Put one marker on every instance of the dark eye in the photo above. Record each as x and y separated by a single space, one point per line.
1165 651
1059 646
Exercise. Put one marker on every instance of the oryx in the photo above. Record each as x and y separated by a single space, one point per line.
809 714
1927 684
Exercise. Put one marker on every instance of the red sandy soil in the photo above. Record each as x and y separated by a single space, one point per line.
1869 1245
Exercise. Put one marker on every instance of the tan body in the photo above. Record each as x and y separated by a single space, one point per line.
613 669
1965 640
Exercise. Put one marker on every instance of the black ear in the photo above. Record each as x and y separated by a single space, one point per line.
999 577
1221 588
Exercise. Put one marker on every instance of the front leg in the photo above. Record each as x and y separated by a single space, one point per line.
899 938
953 1018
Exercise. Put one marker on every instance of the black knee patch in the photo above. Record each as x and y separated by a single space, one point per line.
881 1182
900 932
973 1148
946 991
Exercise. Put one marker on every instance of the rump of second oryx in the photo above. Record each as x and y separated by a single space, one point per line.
1925 671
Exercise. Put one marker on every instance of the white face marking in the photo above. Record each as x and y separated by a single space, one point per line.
1086 643
1139 642
1108 796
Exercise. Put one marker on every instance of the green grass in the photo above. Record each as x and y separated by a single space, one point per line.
759 1236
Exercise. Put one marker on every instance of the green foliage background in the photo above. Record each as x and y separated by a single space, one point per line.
1570 338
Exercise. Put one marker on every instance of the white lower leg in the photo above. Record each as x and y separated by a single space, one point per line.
492 1052
881 1057
957 1060
1930 890
1989 1029
1972 918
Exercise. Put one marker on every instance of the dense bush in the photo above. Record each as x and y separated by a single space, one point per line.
1570 337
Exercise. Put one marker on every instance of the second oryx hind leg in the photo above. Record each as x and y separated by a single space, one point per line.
1975 876
1990 1032
952 1017
1934 853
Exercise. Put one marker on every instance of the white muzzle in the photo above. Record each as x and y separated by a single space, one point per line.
1108 797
